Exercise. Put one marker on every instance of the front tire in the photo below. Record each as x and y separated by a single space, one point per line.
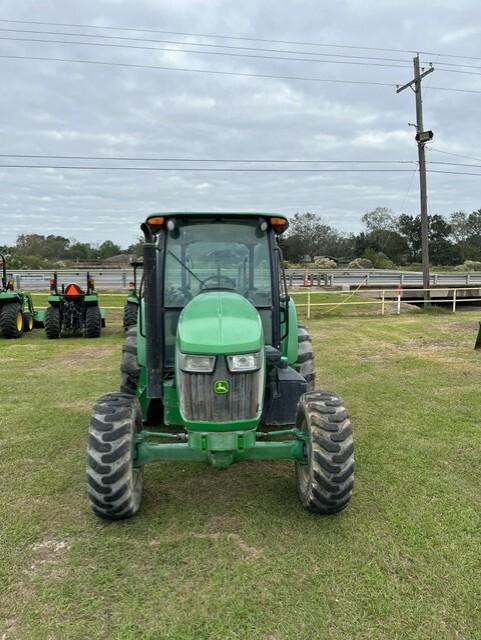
129 367
93 322
114 484
27 322
326 479
52 323
11 320
305 358
130 314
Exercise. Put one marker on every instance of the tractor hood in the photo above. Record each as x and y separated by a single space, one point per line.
219 323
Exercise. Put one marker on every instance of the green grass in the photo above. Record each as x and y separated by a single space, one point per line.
224 555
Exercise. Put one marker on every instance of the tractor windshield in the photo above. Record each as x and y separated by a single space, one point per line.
224 255
228 255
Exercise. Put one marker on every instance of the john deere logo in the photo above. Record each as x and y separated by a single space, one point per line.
221 386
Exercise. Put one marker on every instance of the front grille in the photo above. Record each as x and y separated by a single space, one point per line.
199 402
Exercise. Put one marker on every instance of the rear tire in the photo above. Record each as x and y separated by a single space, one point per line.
130 314
53 323
305 358
11 320
27 322
129 367
114 484
93 322
326 480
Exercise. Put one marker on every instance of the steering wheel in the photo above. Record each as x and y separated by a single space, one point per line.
230 281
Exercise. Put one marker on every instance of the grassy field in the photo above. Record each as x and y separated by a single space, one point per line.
224 555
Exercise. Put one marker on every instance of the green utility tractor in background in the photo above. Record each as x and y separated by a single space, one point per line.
217 369
73 311
131 307
17 315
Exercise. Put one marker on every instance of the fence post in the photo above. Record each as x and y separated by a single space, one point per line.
18 281
399 303
454 300
124 279
309 304
382 303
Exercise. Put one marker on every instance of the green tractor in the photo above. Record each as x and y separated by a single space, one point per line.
131 307
73 311
17 315
217 369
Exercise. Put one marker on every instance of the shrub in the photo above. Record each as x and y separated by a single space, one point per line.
469 265
324 263
360 263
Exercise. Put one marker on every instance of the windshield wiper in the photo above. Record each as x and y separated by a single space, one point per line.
186 267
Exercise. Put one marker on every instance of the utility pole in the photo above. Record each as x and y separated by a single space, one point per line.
421 138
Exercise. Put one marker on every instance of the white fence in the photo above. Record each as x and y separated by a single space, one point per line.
391 297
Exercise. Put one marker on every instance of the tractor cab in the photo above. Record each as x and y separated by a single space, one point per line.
235 254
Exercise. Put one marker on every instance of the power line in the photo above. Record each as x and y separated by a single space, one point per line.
215 53
453 89
227 160
223 169
209 169
448 153
204 44
224 46
225 73
244 38
210 71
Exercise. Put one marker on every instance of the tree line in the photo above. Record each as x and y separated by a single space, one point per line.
385 241
35 251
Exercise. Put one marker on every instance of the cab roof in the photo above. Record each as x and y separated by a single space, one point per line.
222 214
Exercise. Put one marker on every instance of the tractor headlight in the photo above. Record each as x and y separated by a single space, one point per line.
245 362
197 364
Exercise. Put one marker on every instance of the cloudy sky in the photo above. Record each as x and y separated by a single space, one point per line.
53 108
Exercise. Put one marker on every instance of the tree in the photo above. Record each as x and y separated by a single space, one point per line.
410 228
108 249
137 249
460 231
311 232
473 241
382 236
441 250
81 251
50 247
310 236
380 219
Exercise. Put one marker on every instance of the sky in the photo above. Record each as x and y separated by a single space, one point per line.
113 111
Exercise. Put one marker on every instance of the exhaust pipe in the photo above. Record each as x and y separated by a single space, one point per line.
153 317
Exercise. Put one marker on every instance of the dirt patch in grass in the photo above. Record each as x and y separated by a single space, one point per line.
250 553
81 358
47 553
